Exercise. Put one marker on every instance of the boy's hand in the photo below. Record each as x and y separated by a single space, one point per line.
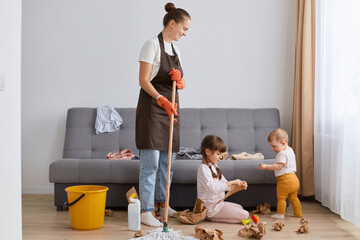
262 166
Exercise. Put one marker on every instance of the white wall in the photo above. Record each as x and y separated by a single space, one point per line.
84 53
10 120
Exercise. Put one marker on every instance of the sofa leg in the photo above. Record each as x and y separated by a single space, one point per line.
59 208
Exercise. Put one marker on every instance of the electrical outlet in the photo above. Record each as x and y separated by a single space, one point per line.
2 82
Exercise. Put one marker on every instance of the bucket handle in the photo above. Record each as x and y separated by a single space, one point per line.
67 204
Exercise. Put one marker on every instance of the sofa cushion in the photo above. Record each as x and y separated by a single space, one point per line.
185 171
243 130
81 141
94 171
127 171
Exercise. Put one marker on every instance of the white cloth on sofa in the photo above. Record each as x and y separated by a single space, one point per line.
107 119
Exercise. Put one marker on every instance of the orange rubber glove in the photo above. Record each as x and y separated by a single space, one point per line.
180 84
176 76
167 106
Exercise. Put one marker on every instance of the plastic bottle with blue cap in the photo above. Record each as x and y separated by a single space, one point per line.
134 213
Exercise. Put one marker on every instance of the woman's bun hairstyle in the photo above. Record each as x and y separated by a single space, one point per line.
173 13
169 6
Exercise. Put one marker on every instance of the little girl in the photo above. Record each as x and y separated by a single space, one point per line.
211 184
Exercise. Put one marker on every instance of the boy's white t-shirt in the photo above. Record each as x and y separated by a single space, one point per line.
150 53
288 158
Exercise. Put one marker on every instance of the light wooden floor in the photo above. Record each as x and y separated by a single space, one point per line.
42 221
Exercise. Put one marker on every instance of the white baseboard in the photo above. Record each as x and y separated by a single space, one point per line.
37 190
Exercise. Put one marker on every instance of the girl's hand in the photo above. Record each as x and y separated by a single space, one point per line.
233 182
236 182
244 185
262 166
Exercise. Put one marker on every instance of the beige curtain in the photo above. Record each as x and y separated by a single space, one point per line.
302 136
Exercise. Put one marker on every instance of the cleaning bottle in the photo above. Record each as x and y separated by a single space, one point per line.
134 213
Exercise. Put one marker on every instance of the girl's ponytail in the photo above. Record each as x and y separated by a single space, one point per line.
214 175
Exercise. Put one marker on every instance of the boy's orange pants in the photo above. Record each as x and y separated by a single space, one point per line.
287 187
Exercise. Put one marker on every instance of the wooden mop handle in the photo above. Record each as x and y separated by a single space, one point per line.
169 155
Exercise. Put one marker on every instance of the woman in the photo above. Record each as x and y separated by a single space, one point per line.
160 64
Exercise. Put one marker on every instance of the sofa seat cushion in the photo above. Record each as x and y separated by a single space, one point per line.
94 171
185 171
127 171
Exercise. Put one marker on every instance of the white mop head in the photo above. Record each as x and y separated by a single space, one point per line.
158 234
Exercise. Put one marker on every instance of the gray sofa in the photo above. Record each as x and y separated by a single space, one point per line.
243 130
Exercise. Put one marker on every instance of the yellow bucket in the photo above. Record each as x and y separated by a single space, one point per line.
86 206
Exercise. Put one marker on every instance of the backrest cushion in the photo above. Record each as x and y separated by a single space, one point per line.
243 130
81 141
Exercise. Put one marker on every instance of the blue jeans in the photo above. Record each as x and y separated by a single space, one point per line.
152 178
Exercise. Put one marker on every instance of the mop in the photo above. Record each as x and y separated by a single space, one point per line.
165 233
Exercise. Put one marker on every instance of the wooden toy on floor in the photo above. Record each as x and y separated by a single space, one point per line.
304 228
253 230
263 209
109 212
278 225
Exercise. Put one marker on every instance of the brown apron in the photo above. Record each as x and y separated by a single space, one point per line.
152 122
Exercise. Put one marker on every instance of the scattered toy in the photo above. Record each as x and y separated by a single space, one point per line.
198 214
253 230
109 212
138 234
278 225
208 233
254 218
262 228
304 228
263 209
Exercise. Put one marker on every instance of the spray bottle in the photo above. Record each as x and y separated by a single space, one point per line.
134 213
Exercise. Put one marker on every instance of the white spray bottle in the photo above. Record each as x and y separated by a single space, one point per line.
134 213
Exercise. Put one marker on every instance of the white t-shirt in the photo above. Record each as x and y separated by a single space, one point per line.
286 157
150 53
210 190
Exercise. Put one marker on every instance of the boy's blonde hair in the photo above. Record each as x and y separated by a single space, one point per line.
279 135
